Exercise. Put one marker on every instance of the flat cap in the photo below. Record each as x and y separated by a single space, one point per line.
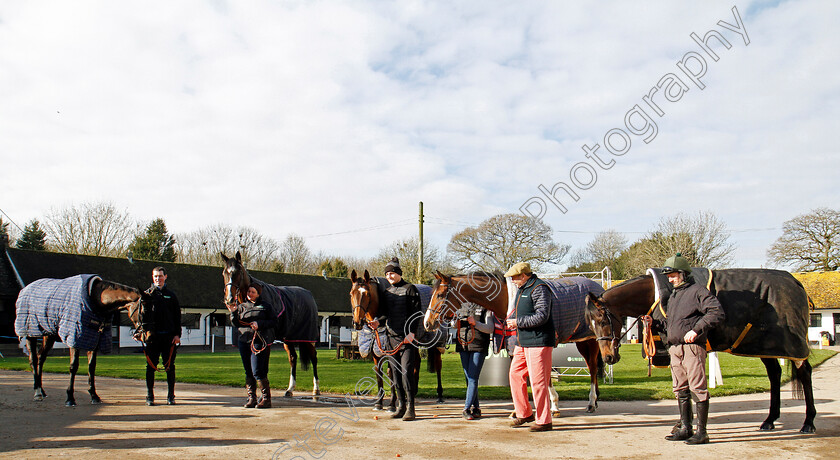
519 269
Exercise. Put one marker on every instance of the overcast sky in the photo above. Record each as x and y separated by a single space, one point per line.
328 118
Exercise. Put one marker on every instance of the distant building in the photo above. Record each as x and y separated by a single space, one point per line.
199 288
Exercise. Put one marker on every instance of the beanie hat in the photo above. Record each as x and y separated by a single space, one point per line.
394 266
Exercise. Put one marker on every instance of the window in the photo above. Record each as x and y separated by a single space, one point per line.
191 320
816 319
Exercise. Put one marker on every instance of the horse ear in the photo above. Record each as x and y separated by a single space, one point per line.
593 299
238 257
224 257
367 277
438 275
353 276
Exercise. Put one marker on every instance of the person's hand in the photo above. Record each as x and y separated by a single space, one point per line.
136 336
231 307
511 323
471 320
409 338
690 336
254 325
373 324
176 340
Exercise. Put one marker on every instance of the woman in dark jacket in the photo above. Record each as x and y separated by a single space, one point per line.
256 323
474 325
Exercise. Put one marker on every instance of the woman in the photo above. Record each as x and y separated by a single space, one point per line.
475 324
256 323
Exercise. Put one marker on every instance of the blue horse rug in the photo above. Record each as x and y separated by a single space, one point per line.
62 307
296 311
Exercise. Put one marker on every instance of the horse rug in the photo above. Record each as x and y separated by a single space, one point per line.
62 307
567 312
767 311
296 311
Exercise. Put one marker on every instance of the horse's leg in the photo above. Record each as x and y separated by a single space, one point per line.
438 363
34 363
290 349
392 406
94 398
803 373
555 398
774 373
589 350
313 353
380 387
74 367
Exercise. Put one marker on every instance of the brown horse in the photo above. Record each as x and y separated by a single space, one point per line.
79 310
297 321
364 297
772 300
491 292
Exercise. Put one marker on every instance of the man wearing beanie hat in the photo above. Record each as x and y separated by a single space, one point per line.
535 340
692 312
399 308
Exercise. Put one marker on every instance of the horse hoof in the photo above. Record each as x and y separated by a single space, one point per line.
767 426
555 413
590 409
288 394
96 401
391 409
70 403
440 401
316 393
808 429
377 407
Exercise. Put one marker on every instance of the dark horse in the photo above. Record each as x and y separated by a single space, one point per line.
491 292
78 310
297 316
766 317
364 297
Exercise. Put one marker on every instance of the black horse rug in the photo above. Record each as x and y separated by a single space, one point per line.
62 307
296 311
767 311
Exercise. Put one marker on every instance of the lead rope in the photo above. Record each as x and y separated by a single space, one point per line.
386 352
458 334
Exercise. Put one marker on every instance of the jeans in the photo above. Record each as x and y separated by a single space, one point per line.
472 361
256 365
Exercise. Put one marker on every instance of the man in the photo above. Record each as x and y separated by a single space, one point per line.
166 337
535 340
692 312
399 308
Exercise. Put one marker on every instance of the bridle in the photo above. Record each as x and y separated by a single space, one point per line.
438 312
608 316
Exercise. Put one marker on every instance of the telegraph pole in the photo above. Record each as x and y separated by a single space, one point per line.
420 255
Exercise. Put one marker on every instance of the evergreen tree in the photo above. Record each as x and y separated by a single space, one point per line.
4 232
33 237
155 244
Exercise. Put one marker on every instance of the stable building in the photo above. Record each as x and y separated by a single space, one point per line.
199 288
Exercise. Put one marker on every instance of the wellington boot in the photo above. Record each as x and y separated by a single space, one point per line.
700 436
409 412
684 431
265 400
400 410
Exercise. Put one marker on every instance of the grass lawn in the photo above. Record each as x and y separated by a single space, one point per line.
740 375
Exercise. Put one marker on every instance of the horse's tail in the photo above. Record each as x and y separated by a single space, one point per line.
305 357
600 372
797 388
433 360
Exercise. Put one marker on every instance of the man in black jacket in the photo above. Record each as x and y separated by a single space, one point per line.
399 308
692 312
166 337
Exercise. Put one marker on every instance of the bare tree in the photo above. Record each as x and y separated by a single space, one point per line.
203 246
605 250
703 239
97 229
296 257
809 242
503 240
408 250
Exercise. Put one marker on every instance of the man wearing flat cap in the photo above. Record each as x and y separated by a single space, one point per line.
535 340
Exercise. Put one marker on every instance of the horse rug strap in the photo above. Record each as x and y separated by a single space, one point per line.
62 307
568 306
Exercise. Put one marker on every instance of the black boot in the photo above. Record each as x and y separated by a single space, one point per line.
400 407
170 383
684 431
409 412
150 386
265 400
700 436
251 387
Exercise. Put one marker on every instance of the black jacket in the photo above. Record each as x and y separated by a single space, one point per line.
167 311
398 304
691 307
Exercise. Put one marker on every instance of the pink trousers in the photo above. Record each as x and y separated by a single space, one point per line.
536 363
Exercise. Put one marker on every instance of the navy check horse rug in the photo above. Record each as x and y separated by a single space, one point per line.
297 313
62 307
568 307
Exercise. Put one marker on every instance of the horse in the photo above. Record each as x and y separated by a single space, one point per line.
297 316
772 300
491 292
78 310
364 298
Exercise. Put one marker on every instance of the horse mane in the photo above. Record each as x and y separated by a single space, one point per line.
106 284
482 273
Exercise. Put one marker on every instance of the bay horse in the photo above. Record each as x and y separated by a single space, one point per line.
364 298
78 310
297 316
767 316
491 292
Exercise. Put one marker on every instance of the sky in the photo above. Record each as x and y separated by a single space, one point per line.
333 120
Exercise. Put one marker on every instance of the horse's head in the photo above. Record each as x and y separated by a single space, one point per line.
442 306
364 298
140 314
236 279
606 326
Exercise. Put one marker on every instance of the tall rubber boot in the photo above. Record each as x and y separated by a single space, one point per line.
684 431
409 412
170 383
401 407
265 400
700 436
251 387
150 386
